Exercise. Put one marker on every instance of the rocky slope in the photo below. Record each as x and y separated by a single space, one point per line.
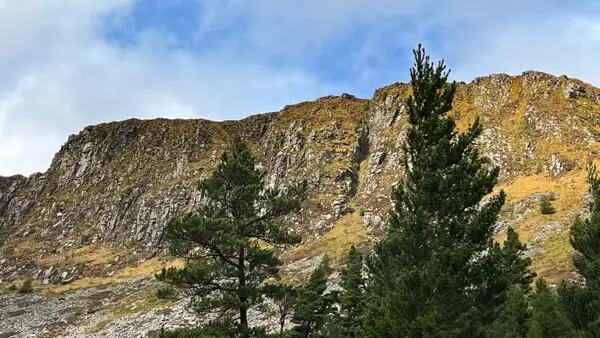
98 214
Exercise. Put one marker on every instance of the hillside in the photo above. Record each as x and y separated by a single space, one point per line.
97 215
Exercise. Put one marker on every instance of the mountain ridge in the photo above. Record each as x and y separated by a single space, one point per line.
346 146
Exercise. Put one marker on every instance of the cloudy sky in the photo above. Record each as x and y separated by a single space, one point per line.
65 64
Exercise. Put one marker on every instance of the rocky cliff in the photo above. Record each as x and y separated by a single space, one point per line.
100 210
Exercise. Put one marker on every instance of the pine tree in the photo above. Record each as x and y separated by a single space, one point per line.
221 240
547 320
508 269
585 239
546 207
351 296
313 306
513 316
576 302
516 265
428 274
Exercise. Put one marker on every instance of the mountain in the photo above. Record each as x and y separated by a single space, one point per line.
98 214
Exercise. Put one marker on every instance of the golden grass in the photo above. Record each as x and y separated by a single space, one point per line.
147 268
554 260
347 231
94 254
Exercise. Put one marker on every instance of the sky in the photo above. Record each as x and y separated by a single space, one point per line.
66 64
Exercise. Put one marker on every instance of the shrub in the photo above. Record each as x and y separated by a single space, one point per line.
26 287
166 292
212 330
546 207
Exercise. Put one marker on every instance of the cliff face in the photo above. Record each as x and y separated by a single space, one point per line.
104 202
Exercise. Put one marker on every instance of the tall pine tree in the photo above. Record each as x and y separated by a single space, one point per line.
427 274
221 240
351 296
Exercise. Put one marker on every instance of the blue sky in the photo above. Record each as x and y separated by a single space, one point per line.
66 64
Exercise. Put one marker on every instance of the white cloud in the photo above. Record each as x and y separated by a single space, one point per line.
58 74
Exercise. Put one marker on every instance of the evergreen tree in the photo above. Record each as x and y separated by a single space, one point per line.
351 296
583 306
546 207
513 316
429 274
508 272
576 302
313 306
547 320
221 240
515 264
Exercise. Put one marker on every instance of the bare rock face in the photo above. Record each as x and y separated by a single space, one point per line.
117 184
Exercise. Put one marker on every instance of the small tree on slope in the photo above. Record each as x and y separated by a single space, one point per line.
429 276
221 241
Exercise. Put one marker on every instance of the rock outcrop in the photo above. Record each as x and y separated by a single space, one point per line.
116 185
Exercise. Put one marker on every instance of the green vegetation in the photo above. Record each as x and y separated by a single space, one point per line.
314 306
430 275
438 272
546 207
352 300
226 263
582 302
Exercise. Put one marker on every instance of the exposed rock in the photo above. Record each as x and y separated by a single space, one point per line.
117 184
573 90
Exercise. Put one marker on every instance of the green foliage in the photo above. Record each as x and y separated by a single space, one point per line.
546 207
547 319
511 321
221 240
516 266
576 303
166 292
211 330
351 296
583 306
313 306
26 287
430 275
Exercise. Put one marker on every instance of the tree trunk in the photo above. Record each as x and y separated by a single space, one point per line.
242 295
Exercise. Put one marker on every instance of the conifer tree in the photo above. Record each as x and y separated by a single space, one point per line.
513 316
583 306
547 320
221 240
576 302
507 269
313 306
428 275
351 296
546 207
515 264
